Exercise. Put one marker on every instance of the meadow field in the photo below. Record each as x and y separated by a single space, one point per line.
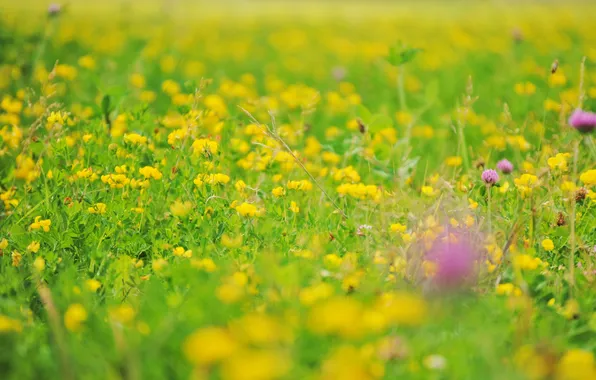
297 190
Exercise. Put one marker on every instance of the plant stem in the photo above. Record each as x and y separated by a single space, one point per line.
490 225
572 222
400 89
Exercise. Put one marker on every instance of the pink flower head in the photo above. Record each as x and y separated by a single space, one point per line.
339 73
490 176
454 256
505 166
583 121
54 9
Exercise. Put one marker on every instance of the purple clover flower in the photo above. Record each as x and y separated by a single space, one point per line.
54 9
583 121
505 166
454 256
490 176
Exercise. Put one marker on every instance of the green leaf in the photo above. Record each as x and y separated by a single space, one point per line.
432 91
379 122
105 104
408 54
399 55
363 113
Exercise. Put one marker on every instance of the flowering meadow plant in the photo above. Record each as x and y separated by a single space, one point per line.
247 193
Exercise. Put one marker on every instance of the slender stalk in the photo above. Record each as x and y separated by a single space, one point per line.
490 219
572 222
400 89
56 328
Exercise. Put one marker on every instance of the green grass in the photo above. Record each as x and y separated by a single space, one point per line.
153 144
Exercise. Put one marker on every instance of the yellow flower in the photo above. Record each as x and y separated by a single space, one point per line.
135 139
204 264
209 345
16 258
122 314
57 119
170 87
118 181
230 242
181 209
337 316
158 264
526 262
348 362
33 247
240 185
92 285
507 289
527 88
278 192
147 96
559 162
303 185
472 204
571 309
568 187
87 62
39 264
3 244
453 161
294 207
252 364
247 209
359 191
310 295
347 174
98 208
401 308
41 224
9 325
150 172
428 191
557 79
403 118
526 183
576 364
137 80
397 227
531 362
504 187
204 147
213 179
588 177
181 252
74 317
548 245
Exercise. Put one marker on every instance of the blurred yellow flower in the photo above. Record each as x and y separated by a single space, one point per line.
547 245
181 209
209 345
74 317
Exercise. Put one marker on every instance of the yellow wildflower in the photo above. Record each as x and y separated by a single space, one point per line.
33 247
209 345
180 209
548 245
588 177
41 224
74 317
98 208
